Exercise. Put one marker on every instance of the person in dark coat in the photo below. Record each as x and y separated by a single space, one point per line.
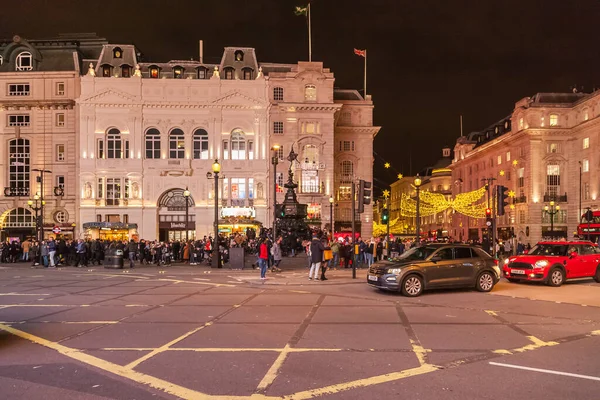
316 257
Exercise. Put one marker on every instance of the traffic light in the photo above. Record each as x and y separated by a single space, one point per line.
501 198
364 195
488 217
385 216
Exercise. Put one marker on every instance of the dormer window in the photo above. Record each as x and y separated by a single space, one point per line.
497 130
107 70
117 52
505 125
553 120
202 73
178 72
229 73
239 55
24 62
247 73
154 72
126 71
310 93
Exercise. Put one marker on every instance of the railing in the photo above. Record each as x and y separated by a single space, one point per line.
16 191
237 202
560 198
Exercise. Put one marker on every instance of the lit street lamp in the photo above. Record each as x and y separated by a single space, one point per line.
552 210
417 182
36 205
216 168
331 216
186 195
275 161
41 181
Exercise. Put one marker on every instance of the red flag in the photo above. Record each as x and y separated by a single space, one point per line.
362 53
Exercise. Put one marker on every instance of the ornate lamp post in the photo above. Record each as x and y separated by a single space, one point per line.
552 210
417 182
275 161
186 195
216 168
36 205
331 215
41 181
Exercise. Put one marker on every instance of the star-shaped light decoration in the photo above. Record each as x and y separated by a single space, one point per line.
515 162
400 176
386 193
387 165
384 205
512 206
511 193
501 172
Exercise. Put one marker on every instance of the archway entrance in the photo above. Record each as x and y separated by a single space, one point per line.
17 224
172 223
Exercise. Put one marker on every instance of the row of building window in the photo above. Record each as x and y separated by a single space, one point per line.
25 120
24 89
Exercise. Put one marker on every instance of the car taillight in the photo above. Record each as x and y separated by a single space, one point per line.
495 261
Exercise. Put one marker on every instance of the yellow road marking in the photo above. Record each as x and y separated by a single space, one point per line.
272 373
375 380
492 313
536 344
595 333
420 352
119 370
164 347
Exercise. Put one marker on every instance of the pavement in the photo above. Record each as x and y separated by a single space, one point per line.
192 332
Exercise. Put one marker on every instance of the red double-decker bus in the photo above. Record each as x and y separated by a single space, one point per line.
589 227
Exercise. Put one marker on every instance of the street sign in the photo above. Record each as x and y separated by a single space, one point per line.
488 223
56 229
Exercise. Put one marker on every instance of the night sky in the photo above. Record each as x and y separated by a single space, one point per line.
429 61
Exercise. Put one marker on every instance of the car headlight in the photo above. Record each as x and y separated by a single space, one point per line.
506 261
394 271
541 263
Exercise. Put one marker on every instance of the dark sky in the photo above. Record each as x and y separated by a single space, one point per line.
429 61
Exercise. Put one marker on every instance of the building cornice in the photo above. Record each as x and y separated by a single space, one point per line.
373 130
321 107
37 105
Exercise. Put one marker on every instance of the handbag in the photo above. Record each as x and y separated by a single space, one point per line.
327 255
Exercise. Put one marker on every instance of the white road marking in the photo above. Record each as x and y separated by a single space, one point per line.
546 371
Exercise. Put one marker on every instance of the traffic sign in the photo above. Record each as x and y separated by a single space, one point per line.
488 223
56 229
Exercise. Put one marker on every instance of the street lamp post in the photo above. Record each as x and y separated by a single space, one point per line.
417 182
331 216
36 205
552 210
42 202
186 195
275 161
216 168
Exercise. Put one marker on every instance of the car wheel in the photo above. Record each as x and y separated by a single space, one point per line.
412 286
511 280
597 276
485 282
556 277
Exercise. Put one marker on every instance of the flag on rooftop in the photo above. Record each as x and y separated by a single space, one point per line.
362 53
301 11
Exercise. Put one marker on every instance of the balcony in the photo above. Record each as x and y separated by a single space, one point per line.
16 191
520 199
237 202
559 198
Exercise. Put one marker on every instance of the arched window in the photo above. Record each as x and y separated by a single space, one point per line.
238 145
200 144
117 52
19 165
347 169
176 144
126 71
278 94
202 73
239 55
153 143
114 144
19 218
178 72
24 62
247 73
106 70
310 93
229 73
154 72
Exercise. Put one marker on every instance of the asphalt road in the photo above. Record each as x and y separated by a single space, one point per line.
194 333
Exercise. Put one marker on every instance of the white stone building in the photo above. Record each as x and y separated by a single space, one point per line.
541 152
148 131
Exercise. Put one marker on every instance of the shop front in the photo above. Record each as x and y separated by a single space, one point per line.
238 220
17 224
110 231
343 229
174 227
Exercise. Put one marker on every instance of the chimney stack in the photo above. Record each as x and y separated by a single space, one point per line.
201 52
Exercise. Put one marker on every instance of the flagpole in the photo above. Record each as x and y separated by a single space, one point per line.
365 81
309 36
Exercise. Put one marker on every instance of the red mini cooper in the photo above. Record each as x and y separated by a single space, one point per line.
555 262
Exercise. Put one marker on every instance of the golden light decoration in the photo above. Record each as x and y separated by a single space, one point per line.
515 162
512 206
387 165
469 204
384 205
400 176
386 193
511 193
502 172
